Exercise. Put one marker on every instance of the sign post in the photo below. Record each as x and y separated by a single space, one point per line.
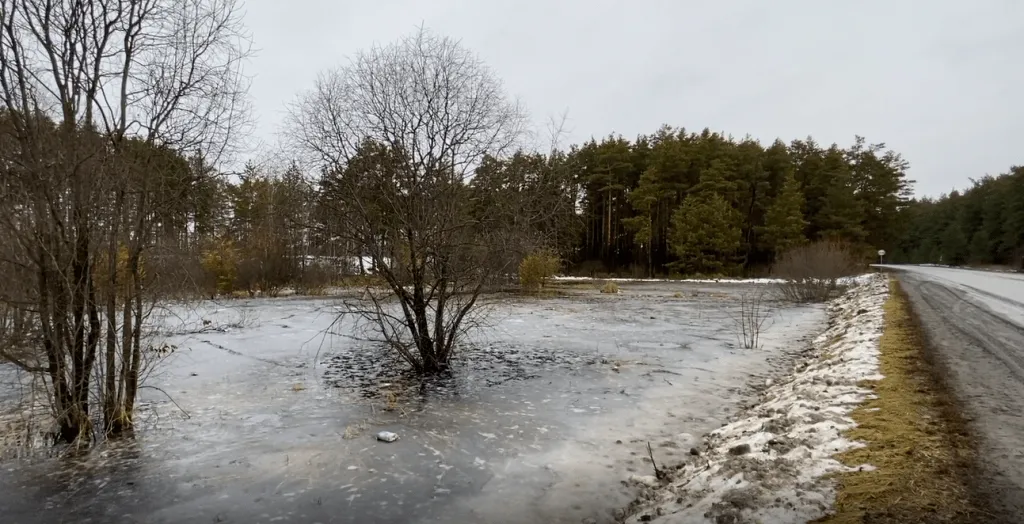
881 256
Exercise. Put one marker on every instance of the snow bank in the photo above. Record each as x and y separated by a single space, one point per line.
768 465
679 280
846 281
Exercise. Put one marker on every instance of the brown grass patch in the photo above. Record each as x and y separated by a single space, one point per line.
914 435
571 285
360 281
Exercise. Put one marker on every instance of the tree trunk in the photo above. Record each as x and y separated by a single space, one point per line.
424 342
91 344
132 385
440 351
80 267
71 422
110 396
120 423
607 248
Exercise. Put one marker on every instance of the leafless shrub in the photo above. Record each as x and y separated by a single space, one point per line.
314 280
19 337
266 272
751 318
813 272
174 274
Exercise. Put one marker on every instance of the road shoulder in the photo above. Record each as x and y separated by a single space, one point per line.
914 437
977 354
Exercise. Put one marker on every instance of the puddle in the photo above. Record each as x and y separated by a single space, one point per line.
539 424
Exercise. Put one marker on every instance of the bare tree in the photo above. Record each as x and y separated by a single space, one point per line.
398 134
100 98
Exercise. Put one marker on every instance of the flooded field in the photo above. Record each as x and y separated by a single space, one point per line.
541 420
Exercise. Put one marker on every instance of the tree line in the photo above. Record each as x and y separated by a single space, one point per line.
670 203
704 203
983 225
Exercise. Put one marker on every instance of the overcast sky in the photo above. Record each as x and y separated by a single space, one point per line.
940 81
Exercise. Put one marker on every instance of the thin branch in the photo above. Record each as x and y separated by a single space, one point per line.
146 386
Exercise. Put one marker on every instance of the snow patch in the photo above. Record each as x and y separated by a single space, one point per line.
846 281
683 280
769 464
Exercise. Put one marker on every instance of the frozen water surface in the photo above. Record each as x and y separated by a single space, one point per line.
541 422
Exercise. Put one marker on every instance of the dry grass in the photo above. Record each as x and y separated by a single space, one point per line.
572 287
914 435
359 281
572 284
392 401
355 430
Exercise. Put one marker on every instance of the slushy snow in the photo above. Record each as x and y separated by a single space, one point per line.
769 465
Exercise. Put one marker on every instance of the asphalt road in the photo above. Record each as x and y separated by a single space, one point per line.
974 324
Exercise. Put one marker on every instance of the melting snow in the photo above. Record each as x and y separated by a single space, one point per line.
844 281
769 464
687 280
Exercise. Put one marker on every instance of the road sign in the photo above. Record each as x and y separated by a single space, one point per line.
881 252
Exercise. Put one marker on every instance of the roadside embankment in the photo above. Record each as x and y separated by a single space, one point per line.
772 464
861 431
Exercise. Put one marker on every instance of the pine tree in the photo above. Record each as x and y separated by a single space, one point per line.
643 199
878 176
716 179
979 248
840 215
954 243
705 235
1013 236
629 193
784 220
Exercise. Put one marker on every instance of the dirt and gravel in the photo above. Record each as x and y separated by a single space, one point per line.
974 325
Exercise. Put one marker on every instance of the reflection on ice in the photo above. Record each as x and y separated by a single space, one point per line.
539 422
